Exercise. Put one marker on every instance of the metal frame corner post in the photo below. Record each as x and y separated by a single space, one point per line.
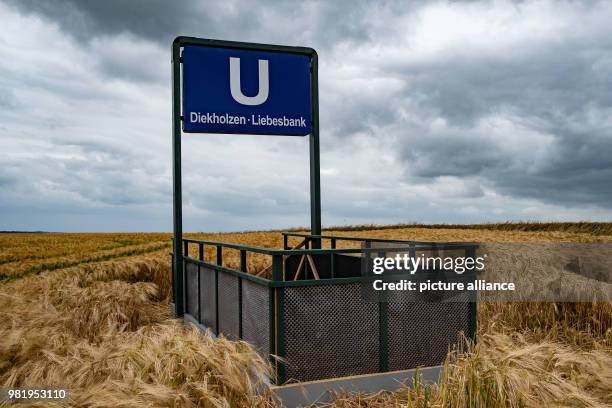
178 286
315 166
279 320
473 303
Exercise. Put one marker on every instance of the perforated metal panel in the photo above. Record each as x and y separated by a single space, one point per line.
329 332
191 282
420 334
207 297
325 329
229 319
256 316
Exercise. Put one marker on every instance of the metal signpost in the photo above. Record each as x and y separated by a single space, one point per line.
234 87
304 311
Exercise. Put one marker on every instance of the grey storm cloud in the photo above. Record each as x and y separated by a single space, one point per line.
156 19
430 111
557 93
160 20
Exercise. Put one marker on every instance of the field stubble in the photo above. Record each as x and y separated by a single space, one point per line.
103 330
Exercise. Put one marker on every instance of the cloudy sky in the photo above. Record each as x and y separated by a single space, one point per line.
430 112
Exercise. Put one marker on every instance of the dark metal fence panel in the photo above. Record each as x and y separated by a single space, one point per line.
256 316
421 333
191 290
329 332
229 319
207 297
324 328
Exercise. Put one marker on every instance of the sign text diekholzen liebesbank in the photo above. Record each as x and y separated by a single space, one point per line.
256 120
246 91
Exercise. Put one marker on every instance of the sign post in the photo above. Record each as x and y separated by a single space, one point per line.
234 87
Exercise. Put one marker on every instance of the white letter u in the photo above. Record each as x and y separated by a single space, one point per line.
264 86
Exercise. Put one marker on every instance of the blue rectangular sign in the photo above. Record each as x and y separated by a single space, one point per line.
229 90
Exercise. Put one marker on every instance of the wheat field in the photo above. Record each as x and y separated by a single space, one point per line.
90 313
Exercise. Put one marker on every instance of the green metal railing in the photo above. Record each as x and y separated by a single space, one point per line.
278 282
334 239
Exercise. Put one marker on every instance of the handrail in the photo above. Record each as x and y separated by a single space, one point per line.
323 251
345 238
260 250
419 244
